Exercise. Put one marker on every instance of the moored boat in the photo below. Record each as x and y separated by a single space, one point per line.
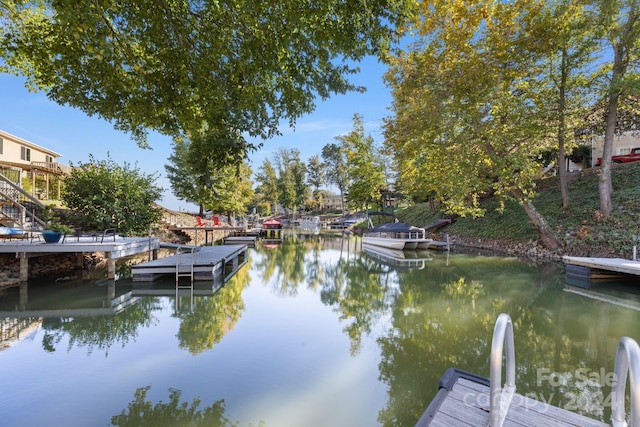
397 235
309 223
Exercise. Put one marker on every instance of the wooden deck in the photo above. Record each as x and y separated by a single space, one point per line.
463 401
208 263
114 247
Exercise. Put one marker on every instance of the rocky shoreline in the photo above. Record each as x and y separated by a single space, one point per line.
530 250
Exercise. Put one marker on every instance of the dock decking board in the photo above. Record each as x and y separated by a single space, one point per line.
463 401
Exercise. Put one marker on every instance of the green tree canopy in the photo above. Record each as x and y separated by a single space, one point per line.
335 161
268 184
192 68
197 177
232 189
364 166
103 194
466 123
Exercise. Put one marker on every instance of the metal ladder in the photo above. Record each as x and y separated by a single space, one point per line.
627 363
181 253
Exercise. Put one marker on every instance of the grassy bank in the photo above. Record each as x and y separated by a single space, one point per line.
581 227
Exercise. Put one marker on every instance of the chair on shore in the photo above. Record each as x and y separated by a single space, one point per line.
200 222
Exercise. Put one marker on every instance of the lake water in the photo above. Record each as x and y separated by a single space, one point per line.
312 332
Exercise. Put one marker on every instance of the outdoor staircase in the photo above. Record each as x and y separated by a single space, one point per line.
17 207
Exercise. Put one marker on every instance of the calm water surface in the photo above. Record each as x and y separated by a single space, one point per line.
314 332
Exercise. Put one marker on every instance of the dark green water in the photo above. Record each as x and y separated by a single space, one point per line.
313 332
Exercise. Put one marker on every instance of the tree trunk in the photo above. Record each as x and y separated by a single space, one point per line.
547 236
604 180
621 49
562 161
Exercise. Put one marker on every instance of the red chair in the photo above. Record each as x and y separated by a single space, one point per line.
200 222
216 221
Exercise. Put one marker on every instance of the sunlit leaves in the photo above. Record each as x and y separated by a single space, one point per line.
465 124
187 68
104 194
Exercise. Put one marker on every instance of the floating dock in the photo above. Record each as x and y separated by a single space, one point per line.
463 401
618 265
202 263
584 271
468 400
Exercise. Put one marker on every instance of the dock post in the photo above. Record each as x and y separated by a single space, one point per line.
111 266
24 267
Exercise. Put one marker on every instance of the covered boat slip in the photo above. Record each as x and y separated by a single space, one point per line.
196 262
468 400
397 235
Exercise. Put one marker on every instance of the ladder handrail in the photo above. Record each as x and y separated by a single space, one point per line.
500 397
627 362
182 250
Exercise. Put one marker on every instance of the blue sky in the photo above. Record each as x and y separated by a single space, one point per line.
73 134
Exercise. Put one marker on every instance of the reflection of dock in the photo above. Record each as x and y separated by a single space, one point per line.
626 300
206 263
396 257
72 300
118 305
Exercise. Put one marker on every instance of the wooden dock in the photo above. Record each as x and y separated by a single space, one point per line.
463 401
468 400
439 246
586 271
206 263
241 240
114 247
618 265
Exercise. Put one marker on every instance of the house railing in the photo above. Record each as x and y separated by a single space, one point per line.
53 167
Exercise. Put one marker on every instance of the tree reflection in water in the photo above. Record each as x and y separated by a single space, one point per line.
420 321
212 317
100 332
142 413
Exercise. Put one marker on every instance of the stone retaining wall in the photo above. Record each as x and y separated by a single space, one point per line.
47 266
